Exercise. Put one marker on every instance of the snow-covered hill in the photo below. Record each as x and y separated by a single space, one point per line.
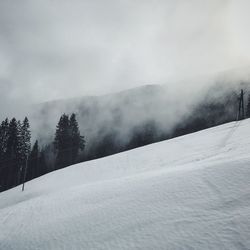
191 192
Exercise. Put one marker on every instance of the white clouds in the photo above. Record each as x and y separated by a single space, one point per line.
59 49
238 25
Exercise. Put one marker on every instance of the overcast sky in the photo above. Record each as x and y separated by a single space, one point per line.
53 49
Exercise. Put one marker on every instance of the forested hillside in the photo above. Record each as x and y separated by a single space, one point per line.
102 126
137 117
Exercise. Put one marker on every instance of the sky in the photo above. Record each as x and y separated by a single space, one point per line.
53 49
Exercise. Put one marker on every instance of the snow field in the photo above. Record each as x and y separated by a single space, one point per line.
191 192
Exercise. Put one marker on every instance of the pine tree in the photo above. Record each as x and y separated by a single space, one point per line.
68 141
25 146
4 128
20 158
248 107
62 143
12 154
26 136
14 150
37 165
77 141
33 162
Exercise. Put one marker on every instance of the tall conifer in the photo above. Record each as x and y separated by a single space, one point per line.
62 142
77 141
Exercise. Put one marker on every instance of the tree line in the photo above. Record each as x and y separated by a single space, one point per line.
67 146
20 161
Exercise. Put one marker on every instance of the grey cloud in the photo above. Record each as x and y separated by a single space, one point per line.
53 49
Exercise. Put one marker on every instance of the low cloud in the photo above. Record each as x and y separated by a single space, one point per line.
52 49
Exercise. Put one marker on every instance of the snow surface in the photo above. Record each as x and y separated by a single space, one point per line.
191 192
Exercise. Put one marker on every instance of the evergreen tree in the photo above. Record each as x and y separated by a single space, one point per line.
62 142
68 141
12 154
33 162
4 127
26 136
37 165
25 146
248 107
20 158
77 141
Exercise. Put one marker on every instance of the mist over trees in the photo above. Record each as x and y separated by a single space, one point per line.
68 141
20 161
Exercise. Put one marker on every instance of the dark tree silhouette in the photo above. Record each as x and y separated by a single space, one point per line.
76 140
4 133
12 154
68 141
33 162
25 147
248 107
62 143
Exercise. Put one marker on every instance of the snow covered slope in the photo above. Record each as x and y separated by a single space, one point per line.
191 192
